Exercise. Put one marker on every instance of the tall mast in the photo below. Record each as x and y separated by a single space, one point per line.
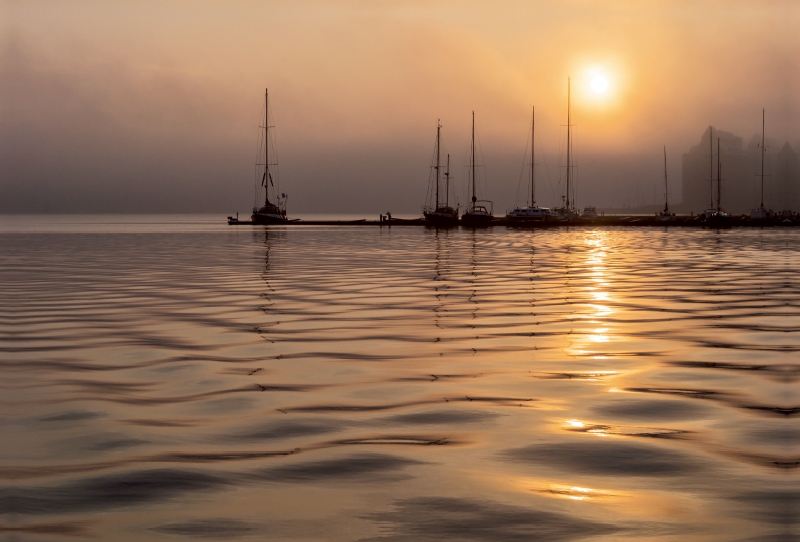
533 184
447 183
568 142
719 180
711 166
762 158
438 131
474 199
666 186
266 147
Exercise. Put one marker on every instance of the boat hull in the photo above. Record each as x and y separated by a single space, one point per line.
441 220
718 220
529 219
530 215
268 218
567 215
474 220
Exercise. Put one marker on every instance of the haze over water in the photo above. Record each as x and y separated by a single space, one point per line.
174 378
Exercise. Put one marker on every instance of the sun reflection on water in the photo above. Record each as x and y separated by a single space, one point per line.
575 493
596 308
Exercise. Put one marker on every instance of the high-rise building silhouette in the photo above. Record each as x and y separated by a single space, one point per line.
741 177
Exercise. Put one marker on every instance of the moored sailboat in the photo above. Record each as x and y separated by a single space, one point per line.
665 215
440 214
479 213
567 211
761 212
274 210
710 211
531 213
718 217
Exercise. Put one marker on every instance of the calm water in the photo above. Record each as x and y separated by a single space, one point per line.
173 378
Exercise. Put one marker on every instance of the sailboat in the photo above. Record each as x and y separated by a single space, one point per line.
762 213
710 211
476 215
718 217
567 211
531 213
665 215
273 211
440 214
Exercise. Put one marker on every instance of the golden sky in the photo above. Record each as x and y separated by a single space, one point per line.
189 75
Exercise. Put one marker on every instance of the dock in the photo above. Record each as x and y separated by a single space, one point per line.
617 220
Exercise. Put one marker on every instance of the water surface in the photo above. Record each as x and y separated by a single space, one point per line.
174 378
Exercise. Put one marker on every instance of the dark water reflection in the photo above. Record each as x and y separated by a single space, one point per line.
166 381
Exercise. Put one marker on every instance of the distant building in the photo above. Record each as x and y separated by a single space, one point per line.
741 175
785 179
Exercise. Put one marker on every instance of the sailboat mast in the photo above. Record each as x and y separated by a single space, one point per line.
266 147
719 180
666 186
711 166
438 132
762 158
568 140
533 183
447 183
474 199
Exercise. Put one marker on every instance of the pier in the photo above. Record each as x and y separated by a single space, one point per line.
616 220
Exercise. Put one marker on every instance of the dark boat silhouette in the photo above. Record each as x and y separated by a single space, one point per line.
440 213
479 213
274 210
532 213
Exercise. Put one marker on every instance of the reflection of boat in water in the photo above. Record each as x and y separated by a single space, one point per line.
531 213
665 215
273 211
446 305
567 211
438 214
762 213
479 212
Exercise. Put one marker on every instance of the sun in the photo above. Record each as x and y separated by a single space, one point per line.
599 84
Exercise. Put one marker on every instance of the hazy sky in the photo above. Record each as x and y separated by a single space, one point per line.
154 106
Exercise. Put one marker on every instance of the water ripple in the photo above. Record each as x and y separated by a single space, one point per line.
357 383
